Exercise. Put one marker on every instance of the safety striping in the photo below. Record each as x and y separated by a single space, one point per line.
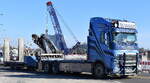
144 66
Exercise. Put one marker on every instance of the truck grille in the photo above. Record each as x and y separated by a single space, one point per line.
130 57
127 64
130 60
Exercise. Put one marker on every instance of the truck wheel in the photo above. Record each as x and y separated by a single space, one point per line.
46 67
123 76
31 68
99 71
55 68
12 68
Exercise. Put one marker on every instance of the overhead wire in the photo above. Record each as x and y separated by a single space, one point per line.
66 25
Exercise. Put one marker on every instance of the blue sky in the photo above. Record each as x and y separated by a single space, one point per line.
23 17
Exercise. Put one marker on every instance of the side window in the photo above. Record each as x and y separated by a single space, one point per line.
106 39
110 40
102 37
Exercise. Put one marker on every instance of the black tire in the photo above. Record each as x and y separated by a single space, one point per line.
99 71
46 68
55 68
123 76
76 73
12 68
31 68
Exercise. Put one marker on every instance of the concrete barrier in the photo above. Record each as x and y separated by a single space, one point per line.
6 50
21 49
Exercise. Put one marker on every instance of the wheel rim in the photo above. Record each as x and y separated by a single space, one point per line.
54 69
46 68
99 71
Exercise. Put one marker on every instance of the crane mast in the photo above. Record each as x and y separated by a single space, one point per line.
59 41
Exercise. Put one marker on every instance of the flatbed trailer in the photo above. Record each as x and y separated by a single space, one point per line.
23 61
14 65
65 63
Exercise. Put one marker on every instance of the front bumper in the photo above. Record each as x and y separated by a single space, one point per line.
124 65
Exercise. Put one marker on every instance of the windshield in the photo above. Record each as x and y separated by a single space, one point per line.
125 37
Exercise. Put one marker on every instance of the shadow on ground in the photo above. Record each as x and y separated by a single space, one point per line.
32 74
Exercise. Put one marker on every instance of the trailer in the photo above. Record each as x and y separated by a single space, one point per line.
18 58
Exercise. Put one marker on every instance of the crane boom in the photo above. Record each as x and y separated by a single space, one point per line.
60 42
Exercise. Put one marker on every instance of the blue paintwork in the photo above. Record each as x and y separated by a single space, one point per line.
59 41
99 51
30 61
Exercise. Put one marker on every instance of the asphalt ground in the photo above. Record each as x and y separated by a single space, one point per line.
23 76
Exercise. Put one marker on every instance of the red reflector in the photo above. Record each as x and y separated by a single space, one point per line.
49 3
142 63
146 63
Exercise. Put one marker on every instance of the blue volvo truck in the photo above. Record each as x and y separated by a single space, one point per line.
112 50
112 46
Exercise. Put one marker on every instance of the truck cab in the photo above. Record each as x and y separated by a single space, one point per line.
113 43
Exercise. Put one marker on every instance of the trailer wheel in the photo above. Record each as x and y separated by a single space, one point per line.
123 76
31 68
46 67
55 68
12 68
99 71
